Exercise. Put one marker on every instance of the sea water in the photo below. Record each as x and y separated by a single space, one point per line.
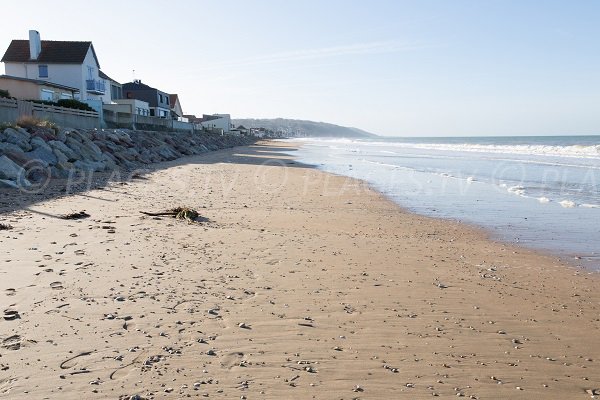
541 192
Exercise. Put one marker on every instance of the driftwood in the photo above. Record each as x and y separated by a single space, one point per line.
77 215
5 227
183 213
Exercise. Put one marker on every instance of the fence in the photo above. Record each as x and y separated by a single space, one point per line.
11 110
116 119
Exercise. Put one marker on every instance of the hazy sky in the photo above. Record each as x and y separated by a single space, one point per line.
406 68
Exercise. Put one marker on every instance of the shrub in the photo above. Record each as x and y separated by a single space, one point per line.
5 94
66 103
45 102
76 104
29 122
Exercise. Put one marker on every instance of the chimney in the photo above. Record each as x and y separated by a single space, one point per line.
35 45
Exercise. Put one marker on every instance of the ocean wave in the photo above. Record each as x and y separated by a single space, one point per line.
576 151
573 150
567 204
518 190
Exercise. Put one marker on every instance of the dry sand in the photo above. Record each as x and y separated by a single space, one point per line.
300 285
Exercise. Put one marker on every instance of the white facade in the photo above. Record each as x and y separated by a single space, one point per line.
73 75
222 122
133 106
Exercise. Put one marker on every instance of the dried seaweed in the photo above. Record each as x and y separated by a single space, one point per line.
76 215
182 213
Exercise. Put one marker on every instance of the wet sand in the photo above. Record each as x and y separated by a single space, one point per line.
298 284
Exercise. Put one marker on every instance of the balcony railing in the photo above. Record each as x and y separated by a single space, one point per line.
95 86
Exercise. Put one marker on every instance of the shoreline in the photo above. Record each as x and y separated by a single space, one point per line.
301 283
589 262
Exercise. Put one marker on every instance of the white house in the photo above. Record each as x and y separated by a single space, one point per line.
67 63
217 121
131 106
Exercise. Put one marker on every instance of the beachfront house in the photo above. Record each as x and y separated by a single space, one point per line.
114 90
220 122
176 110
36 89
157 99
67 63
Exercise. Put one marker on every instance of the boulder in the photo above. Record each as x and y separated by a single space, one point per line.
10 170
60 156
62 134
109 161
61 170
17 137
89 165
44 154
85 152
6 184
6 147
37 142
64 149
19 158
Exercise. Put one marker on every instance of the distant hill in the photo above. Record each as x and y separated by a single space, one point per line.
300 128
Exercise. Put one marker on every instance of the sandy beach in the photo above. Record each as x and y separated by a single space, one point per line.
298 284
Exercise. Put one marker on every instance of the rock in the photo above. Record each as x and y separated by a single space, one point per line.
86 152
17 137
10 170
44 155
62 134
93 166
6 184
37 142
60 156
19 158
5 147
61 170
64 149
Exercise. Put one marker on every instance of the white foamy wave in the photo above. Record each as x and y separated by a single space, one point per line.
567 204
471 179
544 200
518 190
577 151
585 205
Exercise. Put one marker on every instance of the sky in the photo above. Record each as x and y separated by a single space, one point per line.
398 68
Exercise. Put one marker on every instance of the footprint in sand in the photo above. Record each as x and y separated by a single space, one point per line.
57 285
10 292
11 315
12 342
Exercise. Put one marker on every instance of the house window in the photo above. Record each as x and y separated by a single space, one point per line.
43 71
167 99
90 72
160 100
47 95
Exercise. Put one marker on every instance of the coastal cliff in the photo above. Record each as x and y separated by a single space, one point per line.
31 155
